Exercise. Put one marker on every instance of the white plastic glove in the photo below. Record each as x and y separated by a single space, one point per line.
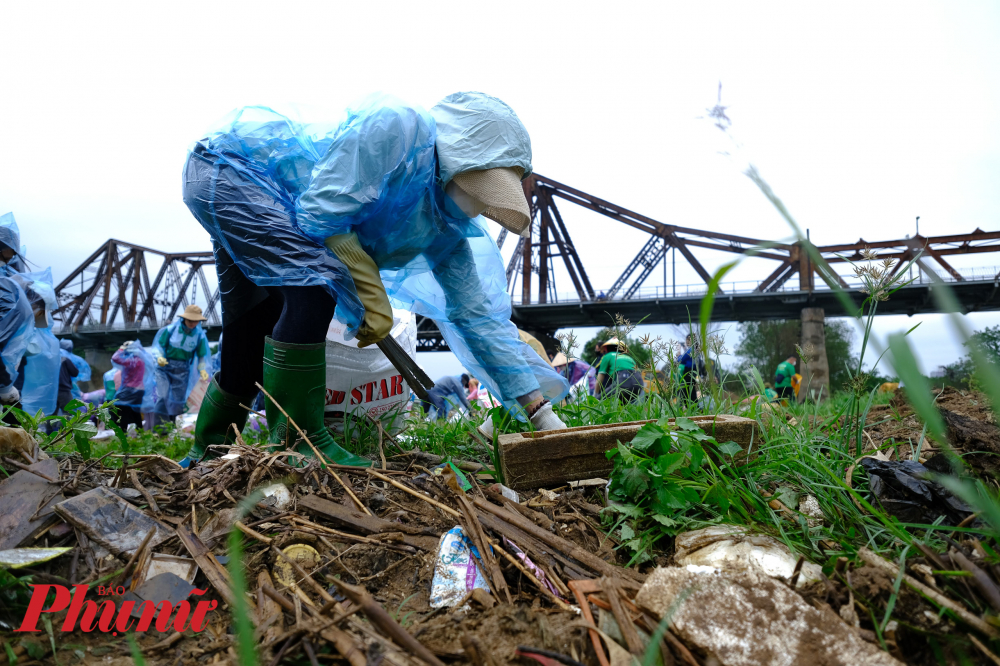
9 395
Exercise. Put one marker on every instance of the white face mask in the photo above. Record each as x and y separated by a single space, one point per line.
469 205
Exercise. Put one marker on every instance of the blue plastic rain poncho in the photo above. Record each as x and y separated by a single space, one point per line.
269 190
10 236
185 350
17 326
41 372
83 368
136 385
110 386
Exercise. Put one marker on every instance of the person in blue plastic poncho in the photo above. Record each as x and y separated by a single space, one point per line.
178 349
11 259
134 387
82 374
310 221
17 326
42 355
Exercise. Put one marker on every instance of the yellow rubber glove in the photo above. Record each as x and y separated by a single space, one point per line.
377 321
161 361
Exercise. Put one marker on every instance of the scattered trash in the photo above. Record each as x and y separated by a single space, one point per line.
809 507
462 481
15 440
905 489
301 554
455 571
111 521
505 491
16 558
277 496
745 618
162 587
733 548
183 567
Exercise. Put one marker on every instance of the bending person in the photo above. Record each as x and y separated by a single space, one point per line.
445 388
309 221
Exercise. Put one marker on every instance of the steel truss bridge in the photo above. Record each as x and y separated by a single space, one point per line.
110 298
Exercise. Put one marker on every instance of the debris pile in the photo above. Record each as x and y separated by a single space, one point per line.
421 560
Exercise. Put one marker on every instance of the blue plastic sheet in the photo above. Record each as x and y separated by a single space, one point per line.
10 236
41 372
269 190
136 387
17 326
176 380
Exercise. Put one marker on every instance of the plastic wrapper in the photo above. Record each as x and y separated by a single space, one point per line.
17 326
134 381
270 190
176 379
455 570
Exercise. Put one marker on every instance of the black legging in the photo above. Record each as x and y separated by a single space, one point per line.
298 315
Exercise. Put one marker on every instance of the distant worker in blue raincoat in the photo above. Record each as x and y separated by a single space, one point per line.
134 387
83 368
309 221
17 326
445 389
178 349
42 356
11 259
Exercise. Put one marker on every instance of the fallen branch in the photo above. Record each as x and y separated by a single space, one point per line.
381 619
555 541
530 576
133 476
431 501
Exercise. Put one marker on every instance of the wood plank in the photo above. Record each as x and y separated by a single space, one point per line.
554 457
213 571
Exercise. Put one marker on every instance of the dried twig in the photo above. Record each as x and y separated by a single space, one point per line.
381 619
433 502
133 476
253 533
530 576
21 465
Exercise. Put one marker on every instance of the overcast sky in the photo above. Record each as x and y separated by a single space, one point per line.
862 116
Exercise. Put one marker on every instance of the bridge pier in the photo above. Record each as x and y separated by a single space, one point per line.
815 373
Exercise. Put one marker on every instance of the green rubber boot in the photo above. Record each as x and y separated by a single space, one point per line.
295 376
219 411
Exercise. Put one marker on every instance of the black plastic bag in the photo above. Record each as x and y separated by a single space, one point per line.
906 490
